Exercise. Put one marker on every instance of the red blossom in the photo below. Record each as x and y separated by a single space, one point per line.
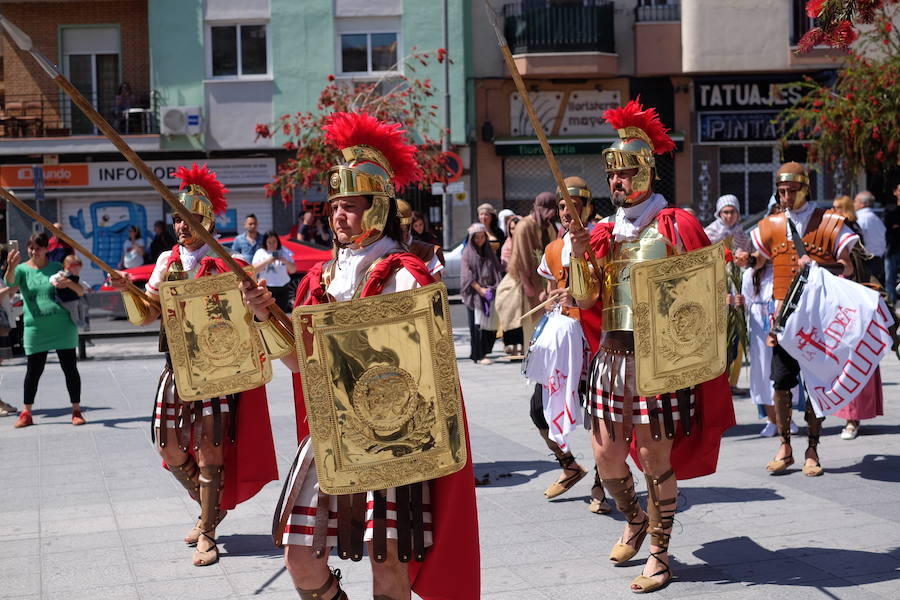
879 156
814 8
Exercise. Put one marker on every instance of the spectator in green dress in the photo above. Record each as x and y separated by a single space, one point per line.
48 325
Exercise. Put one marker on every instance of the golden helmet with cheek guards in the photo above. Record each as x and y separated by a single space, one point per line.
796 173
378 158
202 194
642 135
578 188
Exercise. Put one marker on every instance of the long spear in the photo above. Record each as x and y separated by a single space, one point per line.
576 224
24 43
9 197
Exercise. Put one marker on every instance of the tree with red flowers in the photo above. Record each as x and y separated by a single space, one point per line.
836 21
856 121
394 98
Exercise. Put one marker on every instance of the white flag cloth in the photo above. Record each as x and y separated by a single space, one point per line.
838 334
557 360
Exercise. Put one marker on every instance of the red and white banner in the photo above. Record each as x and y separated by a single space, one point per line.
838 334
557 360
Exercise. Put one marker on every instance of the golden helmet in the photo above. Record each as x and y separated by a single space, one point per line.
579 188
378 160
794 172
641 136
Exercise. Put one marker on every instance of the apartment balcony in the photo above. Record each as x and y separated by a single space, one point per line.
39 124
559 39
657 39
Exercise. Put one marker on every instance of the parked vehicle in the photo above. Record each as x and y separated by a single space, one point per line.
305 256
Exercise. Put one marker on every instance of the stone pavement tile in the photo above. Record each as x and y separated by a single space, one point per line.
64 487
78 526
30 547
152 533
19 524
21 586
881 585
76 512
126 591
15 564
502 579
51 504
523 534
276 581
14 496
872 537
195 587
66 575
108 540
851 562
780 570
21 476
174 548
538 552
522 595
173 568
158 517
148 505
786 522
552 573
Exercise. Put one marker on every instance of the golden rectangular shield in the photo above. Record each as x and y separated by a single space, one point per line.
679 320
382 389
214 348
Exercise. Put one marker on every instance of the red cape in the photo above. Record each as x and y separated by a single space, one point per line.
697 454
452 566
250 461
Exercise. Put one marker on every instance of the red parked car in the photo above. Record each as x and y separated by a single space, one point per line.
305 257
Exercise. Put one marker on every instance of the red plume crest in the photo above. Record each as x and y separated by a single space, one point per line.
353 129
206 179
647 120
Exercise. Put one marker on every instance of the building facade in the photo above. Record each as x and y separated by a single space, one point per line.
717 72
201 75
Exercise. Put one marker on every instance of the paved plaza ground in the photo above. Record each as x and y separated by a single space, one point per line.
87 513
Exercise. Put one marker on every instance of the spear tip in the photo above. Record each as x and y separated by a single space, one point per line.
18 36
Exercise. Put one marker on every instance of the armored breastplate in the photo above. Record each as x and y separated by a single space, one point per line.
617 275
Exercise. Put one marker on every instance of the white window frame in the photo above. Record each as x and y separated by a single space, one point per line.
339 55
240 76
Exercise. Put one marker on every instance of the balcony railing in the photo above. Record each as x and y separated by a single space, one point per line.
45 116
544 26
669 11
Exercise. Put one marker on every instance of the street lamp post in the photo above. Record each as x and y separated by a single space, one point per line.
445 139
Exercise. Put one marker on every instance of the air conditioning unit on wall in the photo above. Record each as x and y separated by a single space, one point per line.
180 120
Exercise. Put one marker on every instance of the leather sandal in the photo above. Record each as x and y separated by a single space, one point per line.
599 506
662 515
194 534
644 585
204 558
622 491
779 465
565 482
316 594
813 470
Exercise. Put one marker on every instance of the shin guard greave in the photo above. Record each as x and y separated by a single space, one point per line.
212 479
187 475
662 501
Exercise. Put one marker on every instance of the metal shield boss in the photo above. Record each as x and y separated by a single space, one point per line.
215 351
679 320
382 390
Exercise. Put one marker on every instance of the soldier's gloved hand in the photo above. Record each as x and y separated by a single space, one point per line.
581 239
257 298
804 260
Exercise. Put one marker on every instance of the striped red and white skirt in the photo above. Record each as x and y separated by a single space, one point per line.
170 412
305 514
612 394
